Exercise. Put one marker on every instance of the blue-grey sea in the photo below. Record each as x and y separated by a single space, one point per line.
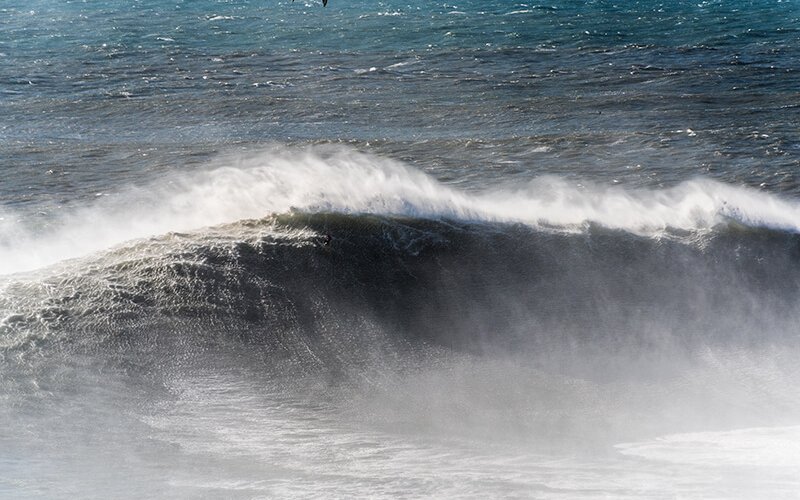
399 249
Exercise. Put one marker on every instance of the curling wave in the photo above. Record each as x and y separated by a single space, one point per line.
279 283
559 338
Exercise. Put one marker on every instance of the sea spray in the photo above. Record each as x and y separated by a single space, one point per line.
336 179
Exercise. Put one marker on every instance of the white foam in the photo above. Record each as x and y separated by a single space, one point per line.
759 446
342 180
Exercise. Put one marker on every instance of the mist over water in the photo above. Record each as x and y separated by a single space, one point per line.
393 249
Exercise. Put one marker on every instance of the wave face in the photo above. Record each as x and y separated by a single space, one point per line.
444 280
546 317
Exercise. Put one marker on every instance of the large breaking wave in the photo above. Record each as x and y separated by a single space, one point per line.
558 315
244 249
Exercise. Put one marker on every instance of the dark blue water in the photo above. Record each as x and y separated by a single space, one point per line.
399 249
590 89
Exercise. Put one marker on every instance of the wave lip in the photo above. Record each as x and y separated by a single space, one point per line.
341 180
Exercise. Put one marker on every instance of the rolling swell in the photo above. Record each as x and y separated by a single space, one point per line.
390 284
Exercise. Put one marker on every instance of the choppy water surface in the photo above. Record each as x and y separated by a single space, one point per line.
399 249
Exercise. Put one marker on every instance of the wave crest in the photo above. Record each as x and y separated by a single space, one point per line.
341 180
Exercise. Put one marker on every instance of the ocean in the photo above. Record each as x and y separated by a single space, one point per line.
399 249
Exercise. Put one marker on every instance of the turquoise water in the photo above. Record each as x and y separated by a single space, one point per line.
590 89
390 249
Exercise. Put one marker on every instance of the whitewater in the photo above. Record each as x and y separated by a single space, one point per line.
399 249
340 180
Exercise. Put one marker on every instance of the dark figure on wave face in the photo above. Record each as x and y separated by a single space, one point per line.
324 2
